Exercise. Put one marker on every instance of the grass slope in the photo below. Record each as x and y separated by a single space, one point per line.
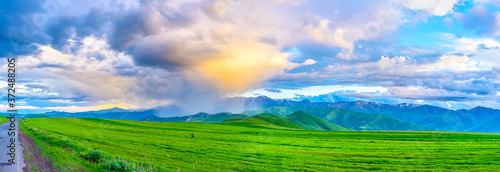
307 121
170 146
354 120
263 121
311 122
3 119
215 118
273 115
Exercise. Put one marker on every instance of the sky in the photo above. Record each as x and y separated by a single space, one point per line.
136 54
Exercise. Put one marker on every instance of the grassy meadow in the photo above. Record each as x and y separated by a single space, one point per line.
3 119
72 144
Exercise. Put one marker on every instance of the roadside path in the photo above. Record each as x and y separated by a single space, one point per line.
5 165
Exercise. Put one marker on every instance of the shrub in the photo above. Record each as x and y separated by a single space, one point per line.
64 142
119 165
96 155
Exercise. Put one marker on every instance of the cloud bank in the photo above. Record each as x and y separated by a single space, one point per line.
148 53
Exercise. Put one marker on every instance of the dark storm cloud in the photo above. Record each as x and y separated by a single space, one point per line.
142 31
127 29
154 51
61 30
25 23
20 27
136 32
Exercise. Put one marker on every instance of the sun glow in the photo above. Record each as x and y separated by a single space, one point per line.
243 65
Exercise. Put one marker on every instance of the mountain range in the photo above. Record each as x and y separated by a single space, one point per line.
478 119
356 115
343 117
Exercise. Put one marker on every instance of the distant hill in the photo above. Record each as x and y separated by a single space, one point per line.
449 120
199 117
169 111
112 110
146 115
263 121
37 116
215 118
308 121
488 126
272 115
312 122
342 117
114 113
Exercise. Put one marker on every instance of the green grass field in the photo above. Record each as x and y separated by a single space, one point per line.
3 119
182 146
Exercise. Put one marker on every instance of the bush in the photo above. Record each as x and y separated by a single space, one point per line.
117 165
96 155
63 142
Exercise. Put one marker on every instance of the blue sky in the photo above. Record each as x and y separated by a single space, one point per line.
90 55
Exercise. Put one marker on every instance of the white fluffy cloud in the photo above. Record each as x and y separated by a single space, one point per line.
433 7
369 22
406 67
484 50
376 22
96 75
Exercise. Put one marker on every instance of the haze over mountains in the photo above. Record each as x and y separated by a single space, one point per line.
355 115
